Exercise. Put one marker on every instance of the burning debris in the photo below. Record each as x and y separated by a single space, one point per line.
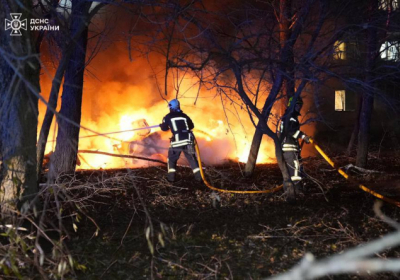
221 136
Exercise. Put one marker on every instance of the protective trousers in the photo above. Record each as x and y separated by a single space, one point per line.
173 156
293 164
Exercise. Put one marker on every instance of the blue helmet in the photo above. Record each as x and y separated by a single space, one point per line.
174 105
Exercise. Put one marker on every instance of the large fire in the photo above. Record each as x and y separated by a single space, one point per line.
215 140
125 97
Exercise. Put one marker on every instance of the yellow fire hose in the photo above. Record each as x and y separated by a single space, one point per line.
325 156
345 175
222 190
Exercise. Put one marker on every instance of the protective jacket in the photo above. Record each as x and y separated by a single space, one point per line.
293 134
181 126
291 147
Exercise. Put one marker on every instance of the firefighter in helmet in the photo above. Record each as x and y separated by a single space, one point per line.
182 140
290 145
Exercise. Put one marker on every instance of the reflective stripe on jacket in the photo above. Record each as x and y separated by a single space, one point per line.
180 125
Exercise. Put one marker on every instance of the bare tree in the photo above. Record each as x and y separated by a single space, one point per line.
19 75
367 71
240 51
68 45
65 154
284 24
368 94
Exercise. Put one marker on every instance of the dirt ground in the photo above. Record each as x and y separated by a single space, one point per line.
151 228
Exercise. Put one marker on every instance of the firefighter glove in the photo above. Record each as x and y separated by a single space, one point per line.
306 139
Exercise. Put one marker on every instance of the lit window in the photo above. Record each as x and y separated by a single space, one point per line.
386 4
340 100
339 50
390 51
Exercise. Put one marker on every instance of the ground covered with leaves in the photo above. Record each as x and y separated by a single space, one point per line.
134 224
139 226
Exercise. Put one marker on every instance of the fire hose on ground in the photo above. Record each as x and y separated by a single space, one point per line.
341 172
320 151
345 175
223 190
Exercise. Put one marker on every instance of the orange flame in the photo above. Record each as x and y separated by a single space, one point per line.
117 103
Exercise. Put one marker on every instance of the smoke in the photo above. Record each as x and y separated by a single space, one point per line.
119 91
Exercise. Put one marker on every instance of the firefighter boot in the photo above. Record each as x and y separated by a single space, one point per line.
197 177
290 192
299 187
171 177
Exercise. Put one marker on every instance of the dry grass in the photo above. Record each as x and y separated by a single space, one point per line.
133 224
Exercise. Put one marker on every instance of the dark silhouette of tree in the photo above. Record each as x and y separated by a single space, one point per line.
69 43
19 88
370 85
368 72
241 48
65 155
288 48
284 24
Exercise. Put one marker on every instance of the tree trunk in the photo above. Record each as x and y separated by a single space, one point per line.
364 133
254 149
258 134
65 155
285 33
288 84
356 128
48 118
19 76
55 89
368 98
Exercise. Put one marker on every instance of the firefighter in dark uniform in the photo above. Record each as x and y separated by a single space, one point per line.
182 140
290 145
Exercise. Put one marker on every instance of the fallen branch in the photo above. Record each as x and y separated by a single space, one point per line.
119 155
127 156
351 261
359 169
311 269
